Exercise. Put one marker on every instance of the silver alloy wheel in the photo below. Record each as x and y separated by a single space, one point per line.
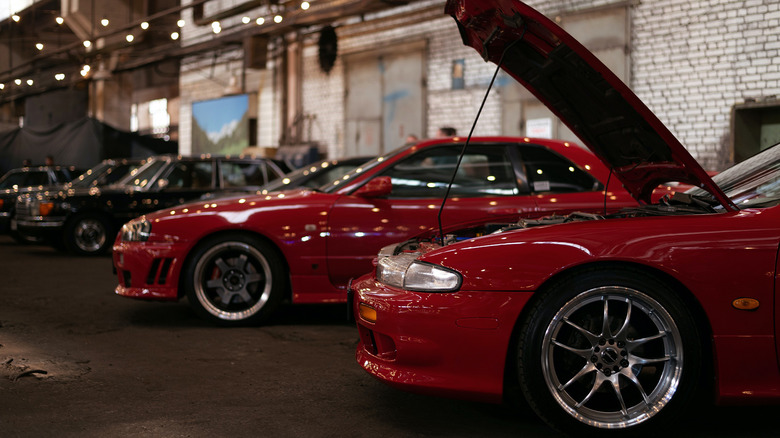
612 357
233 281
89 235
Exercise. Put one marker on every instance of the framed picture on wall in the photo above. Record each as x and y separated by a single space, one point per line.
221 126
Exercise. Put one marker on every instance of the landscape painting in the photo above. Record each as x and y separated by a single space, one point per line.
221 126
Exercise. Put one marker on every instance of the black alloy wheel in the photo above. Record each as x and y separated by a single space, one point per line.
234 280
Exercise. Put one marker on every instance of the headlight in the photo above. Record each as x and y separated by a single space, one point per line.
427 277
405 271
137 230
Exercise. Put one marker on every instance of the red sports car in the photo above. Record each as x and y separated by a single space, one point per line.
600 322
237 258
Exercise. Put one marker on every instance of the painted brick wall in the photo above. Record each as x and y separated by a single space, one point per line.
692 61
323 94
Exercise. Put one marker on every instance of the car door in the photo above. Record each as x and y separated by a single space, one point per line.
487 184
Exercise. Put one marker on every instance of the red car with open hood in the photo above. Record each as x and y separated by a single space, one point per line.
602 322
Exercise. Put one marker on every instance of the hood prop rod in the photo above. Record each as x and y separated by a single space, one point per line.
473 126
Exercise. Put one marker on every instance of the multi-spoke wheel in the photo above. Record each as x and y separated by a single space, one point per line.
234 280
87 235
610 350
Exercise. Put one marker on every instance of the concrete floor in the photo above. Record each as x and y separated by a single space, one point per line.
77 360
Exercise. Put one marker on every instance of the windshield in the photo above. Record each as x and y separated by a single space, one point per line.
12 179
313 175
754 182
86 178
142 176
335 185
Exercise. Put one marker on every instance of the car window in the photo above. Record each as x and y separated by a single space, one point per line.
144 175
484 171
549 172
242 174
90 177
13 180
190 175
36 179
327 175
115 174
753 183
62 175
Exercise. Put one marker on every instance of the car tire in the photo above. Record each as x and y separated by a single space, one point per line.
234 280
585 377
87 234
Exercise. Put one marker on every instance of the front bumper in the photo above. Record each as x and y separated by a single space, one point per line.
450 344
148 271
39 226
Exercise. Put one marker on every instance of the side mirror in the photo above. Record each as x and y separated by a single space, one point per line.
379 186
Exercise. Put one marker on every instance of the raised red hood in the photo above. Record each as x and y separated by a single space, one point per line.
597 106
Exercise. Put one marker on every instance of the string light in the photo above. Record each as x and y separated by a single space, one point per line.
216 28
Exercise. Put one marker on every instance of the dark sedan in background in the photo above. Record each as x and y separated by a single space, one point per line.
84 220
29 179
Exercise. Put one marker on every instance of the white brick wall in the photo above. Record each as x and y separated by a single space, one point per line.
694 60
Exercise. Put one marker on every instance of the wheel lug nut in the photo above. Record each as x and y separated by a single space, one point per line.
611 341
596 349
624 363
624 353
602 341
607 372
621 344
594 359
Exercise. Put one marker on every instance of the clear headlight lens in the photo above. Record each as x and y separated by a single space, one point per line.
405 271
427 277
137 230
391 270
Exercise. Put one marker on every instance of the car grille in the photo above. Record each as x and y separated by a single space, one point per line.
25 206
